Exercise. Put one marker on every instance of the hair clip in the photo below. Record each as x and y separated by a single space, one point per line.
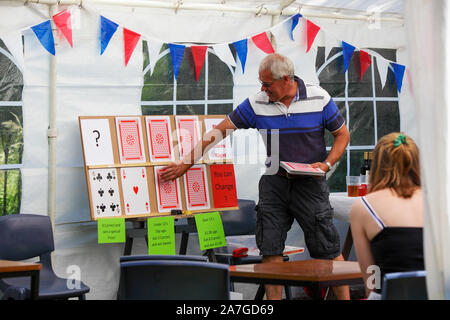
399 140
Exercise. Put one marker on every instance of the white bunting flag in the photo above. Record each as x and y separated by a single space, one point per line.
223 52
383 66
153 47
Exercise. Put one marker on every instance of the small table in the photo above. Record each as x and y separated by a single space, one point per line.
10 269
315 273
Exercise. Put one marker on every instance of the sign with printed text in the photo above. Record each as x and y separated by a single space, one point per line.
223 185
210 230
111 230
161 236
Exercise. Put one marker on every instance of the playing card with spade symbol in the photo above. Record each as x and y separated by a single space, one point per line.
135 190
105 196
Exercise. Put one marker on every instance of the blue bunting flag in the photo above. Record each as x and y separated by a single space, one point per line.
107 30
399 71
347 51
44 33
177 53
241 49
294 23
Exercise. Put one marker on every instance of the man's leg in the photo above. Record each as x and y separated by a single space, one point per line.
341 292
273 292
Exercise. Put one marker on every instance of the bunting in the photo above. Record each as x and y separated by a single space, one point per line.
43 32
399 71
222 50
294 24
63 22
241 49
311 33
177 53
198 53
107 30
262 42
365 62
130 40
347 51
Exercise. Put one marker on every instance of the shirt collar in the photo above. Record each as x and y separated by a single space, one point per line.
301 92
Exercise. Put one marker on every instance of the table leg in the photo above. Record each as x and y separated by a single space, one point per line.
34 285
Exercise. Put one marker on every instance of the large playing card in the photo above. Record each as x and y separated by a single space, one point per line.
188 133
96 141
167 193
196 186
159 135
104 193
221 151
135 190
129 136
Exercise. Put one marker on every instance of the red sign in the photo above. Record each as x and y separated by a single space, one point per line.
223 185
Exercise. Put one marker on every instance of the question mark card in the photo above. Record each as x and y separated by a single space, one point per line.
97 141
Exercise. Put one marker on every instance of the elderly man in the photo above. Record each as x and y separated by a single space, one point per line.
297 113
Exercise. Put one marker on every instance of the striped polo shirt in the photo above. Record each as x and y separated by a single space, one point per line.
300 127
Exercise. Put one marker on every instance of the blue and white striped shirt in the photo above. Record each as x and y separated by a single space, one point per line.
301 127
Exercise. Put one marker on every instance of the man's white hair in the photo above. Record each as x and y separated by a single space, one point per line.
278 65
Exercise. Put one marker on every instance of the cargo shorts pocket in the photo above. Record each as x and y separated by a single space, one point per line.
327 241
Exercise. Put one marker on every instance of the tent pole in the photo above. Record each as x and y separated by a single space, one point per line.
52 131
309 11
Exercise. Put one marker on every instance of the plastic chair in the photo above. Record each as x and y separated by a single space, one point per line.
25 236
409 285
173 280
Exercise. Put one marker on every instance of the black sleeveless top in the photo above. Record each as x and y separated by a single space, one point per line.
396 249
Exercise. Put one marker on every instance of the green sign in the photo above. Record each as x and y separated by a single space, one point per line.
210 230
111 230
161 235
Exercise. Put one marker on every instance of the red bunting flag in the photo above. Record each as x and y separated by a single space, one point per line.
63 22
262 42
311 33
365 62
130 40
198 53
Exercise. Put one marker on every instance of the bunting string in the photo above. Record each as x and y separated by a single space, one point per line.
108 28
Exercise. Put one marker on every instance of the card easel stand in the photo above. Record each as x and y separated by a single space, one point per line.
104 139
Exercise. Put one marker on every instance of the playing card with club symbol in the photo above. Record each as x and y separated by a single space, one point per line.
105 196
135 190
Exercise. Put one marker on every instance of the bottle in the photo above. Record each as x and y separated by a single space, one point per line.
364 175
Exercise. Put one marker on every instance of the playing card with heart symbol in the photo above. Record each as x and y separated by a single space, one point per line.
135 190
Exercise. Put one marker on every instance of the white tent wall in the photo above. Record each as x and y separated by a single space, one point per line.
90 84
428 44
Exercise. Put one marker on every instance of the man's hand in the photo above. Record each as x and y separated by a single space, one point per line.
174 170
320 165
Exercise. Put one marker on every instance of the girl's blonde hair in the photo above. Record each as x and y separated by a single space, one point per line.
395 165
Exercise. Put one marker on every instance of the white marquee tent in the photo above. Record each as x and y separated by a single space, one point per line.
79 81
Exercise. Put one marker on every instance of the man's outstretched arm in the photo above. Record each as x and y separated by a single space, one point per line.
210 139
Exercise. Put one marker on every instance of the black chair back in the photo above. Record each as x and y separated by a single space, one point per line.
25 236
242 221
173 280
164 257
410 285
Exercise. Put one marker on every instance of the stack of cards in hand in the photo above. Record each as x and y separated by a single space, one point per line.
301 169
124 177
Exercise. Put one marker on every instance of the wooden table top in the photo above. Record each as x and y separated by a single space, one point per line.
15 266
307 270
